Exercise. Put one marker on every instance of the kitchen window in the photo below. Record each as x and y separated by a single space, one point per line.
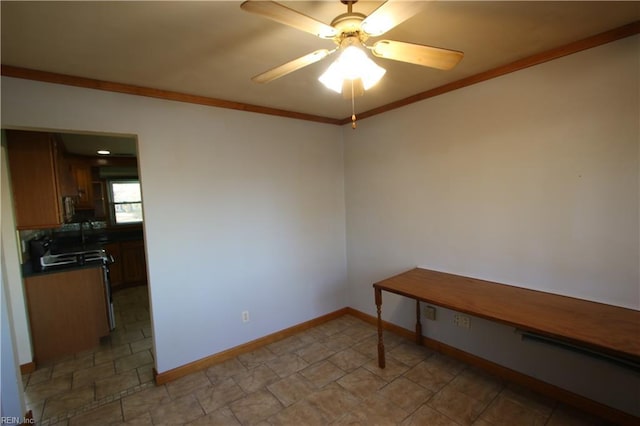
126 201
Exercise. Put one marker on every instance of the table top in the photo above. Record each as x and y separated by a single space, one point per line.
608 328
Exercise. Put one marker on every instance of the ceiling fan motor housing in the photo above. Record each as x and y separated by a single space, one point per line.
349 25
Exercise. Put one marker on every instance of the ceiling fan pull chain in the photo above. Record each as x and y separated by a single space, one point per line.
353 107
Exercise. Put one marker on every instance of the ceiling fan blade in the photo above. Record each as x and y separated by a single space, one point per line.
390 14
284 15
419 54
291 66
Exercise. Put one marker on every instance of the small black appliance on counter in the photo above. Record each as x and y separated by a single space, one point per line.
38 247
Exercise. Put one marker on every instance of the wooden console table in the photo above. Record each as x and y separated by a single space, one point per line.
606 329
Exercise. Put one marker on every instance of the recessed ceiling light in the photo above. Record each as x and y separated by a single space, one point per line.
103 152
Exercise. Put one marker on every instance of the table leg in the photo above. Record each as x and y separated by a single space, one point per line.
418 324
381 360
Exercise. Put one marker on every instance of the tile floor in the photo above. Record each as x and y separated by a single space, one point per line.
326 375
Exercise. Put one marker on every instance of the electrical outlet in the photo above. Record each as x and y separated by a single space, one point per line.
245 316
462 321
430 313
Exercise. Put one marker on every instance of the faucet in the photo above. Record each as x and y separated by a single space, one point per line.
83 237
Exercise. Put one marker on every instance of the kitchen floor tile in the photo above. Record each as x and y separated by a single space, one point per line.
116 383
103 416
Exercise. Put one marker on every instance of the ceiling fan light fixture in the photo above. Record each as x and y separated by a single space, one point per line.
353 64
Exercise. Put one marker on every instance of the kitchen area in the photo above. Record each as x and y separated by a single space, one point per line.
78 216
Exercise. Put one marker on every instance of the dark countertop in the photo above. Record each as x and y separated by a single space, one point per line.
65 242
28 271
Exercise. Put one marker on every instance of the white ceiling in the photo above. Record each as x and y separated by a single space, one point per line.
213 48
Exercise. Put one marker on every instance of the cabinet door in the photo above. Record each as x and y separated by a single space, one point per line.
32 164
67 312
115 269
134 265
66 181
82 174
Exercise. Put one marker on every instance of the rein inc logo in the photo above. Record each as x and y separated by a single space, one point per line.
9 420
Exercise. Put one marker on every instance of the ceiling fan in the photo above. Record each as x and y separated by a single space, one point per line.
353 72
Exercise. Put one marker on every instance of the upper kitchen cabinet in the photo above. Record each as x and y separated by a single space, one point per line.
37 171
84 185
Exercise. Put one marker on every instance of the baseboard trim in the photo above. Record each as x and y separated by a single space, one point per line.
536 385
201 364
28 368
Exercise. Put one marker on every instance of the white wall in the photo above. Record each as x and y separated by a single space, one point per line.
242 211
12 404
11 265
529 179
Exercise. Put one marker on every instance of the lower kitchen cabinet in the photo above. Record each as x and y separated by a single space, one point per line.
68 312
130 265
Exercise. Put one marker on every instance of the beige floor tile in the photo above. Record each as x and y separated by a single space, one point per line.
566 416
142 402
220 394
426 415
314 352
40 375
256 379
358 333
506 410
534 400
287 345
322 373
68 401
405 393
409 353
70 365
255 358
392 370
428 376
141 345
255 407
182 410
349 359
111 353
368 347
39 392
120 337
221 417
374 411
291 389
116 383
143 420
300 413
224 370
457 406
102 416
333 401
133 361
287 364
187 384
336 343
145 373
88 376
361 383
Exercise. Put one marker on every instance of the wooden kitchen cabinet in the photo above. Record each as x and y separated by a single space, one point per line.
67 312
134 264
35 179
129 267
84 186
